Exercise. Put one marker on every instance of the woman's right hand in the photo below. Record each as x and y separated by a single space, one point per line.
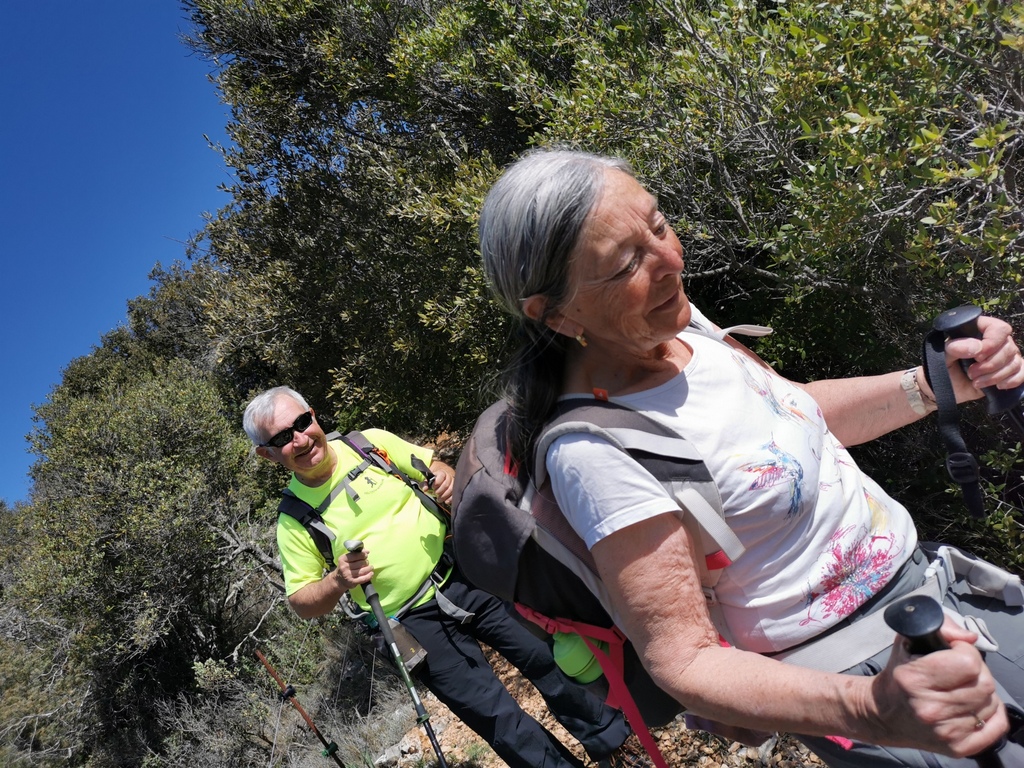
935 702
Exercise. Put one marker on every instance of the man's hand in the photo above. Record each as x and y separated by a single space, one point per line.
997 360
444 481
353 570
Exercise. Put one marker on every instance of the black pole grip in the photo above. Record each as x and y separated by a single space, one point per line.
918 619
960 323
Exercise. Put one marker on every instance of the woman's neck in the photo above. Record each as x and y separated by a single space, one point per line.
621 373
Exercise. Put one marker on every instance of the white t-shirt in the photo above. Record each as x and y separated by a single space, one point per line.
821 537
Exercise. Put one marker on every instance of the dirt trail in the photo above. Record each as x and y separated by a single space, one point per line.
681 747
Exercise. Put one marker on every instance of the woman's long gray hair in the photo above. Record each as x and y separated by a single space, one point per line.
529 227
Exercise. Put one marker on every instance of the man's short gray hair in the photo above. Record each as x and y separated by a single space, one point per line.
260 410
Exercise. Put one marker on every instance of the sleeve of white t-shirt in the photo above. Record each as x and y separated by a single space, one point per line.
600 489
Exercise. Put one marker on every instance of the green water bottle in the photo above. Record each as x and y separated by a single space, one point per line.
574 658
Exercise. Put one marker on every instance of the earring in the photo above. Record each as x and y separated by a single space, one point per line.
582 341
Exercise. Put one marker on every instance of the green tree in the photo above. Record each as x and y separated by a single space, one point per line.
141 494
839 171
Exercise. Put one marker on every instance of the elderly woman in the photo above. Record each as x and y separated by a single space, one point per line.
580 253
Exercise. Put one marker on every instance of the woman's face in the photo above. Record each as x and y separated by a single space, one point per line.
626 286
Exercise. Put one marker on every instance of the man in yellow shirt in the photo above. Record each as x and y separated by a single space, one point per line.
417 583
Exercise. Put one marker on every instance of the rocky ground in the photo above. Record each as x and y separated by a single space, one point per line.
681 747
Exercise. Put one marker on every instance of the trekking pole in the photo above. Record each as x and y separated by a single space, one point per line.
288 692
422 717
918 618
962 322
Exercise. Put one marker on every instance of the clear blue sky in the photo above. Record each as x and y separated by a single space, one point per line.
105 172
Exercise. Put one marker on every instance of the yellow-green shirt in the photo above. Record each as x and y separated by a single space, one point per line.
404 540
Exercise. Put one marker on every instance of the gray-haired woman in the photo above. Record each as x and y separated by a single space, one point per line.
580 253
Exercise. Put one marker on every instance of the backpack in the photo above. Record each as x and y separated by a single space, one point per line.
549 562
512 540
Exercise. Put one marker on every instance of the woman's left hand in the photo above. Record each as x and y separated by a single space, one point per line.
997 360
947 698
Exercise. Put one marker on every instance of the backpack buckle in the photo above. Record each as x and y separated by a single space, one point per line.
963 467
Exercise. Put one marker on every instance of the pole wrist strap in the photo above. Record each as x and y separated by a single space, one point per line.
960 463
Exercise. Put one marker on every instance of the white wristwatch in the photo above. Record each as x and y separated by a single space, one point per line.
913 392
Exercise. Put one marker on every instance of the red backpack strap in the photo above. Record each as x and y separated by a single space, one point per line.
612 664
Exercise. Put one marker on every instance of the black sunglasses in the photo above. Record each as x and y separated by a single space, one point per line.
282 438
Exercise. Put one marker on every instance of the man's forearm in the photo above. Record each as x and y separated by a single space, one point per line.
318 598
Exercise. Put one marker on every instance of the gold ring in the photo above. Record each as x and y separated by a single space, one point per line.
979 723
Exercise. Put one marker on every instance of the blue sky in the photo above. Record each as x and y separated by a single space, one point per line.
105 173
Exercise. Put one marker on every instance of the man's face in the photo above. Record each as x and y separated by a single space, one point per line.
307 454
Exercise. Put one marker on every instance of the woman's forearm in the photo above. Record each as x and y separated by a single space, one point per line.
761 694
861 409
926 703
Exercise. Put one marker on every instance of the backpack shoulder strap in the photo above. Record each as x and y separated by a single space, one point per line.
744 329
670 457
311 520
359 443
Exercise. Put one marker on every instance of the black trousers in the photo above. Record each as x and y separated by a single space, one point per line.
457 672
